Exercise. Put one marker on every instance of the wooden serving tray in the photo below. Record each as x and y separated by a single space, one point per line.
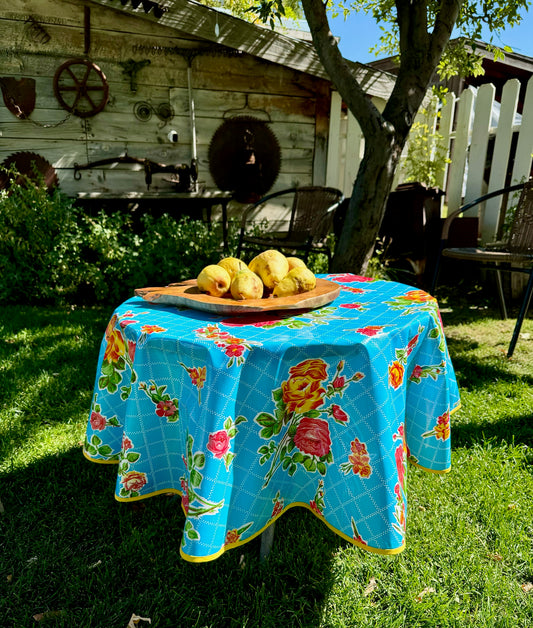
186 294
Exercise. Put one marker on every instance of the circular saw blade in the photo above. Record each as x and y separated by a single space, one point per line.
244 157
31 165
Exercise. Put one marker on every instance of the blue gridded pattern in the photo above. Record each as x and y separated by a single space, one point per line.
161 423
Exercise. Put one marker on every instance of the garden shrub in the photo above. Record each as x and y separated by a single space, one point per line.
34 254
51 251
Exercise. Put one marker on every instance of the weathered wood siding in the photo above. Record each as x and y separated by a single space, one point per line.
37 36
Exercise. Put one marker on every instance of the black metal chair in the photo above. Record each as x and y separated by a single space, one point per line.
513 253
311 221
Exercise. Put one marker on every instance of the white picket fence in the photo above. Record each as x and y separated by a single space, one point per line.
466 125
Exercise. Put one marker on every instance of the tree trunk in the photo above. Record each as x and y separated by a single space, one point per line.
367 206
385 133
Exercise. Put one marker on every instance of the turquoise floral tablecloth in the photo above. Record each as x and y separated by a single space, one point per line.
246 416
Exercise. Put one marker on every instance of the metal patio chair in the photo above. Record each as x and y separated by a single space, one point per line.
513 253
311 221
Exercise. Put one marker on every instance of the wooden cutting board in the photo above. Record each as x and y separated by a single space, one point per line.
186 294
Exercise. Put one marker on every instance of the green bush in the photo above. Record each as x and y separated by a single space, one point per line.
52 252
33 250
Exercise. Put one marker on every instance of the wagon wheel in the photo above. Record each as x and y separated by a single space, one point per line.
81 87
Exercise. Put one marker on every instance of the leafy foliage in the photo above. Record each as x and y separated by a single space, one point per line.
459 58
426 155
52 252
270 11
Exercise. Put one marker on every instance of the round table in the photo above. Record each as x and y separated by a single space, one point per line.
246 416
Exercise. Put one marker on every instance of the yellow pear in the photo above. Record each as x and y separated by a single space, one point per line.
271 266
295 262
233 265
214 280
246 285
296 281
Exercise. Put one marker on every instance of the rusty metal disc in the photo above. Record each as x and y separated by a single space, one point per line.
244 157
81 87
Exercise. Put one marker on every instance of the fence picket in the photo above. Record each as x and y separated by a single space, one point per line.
522 162
445 129
500 158
466 129
460 150
477 157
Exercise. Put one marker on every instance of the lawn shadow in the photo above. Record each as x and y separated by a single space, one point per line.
48 365
76 550
473 371
511 429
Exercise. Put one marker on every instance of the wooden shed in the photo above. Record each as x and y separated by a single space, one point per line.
163 100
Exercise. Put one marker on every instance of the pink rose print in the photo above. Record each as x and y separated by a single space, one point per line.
278 507
412 344
184 496
98 421
312 437
218 443
370 330
417 372
352 306
124 324
126 443
131 349
339 414
399 455
315 508
348 277
339 382
234 351
165 408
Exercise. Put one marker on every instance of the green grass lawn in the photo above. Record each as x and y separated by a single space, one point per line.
73 556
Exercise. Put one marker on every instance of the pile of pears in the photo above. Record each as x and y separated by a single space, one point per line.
268 274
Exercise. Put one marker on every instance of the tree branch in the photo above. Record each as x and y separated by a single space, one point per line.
339 71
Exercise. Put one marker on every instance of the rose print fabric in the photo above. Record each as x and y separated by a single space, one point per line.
246 416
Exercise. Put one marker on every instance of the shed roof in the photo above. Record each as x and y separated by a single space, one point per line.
198 20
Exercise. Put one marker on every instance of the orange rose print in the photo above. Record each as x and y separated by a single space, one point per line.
232 536
358 460
441 431
302 394
116 347
312 369
418 296
303 391
396 371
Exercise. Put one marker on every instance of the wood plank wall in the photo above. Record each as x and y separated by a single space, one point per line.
37 36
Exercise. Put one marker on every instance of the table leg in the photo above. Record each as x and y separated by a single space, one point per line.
225 225
267 538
